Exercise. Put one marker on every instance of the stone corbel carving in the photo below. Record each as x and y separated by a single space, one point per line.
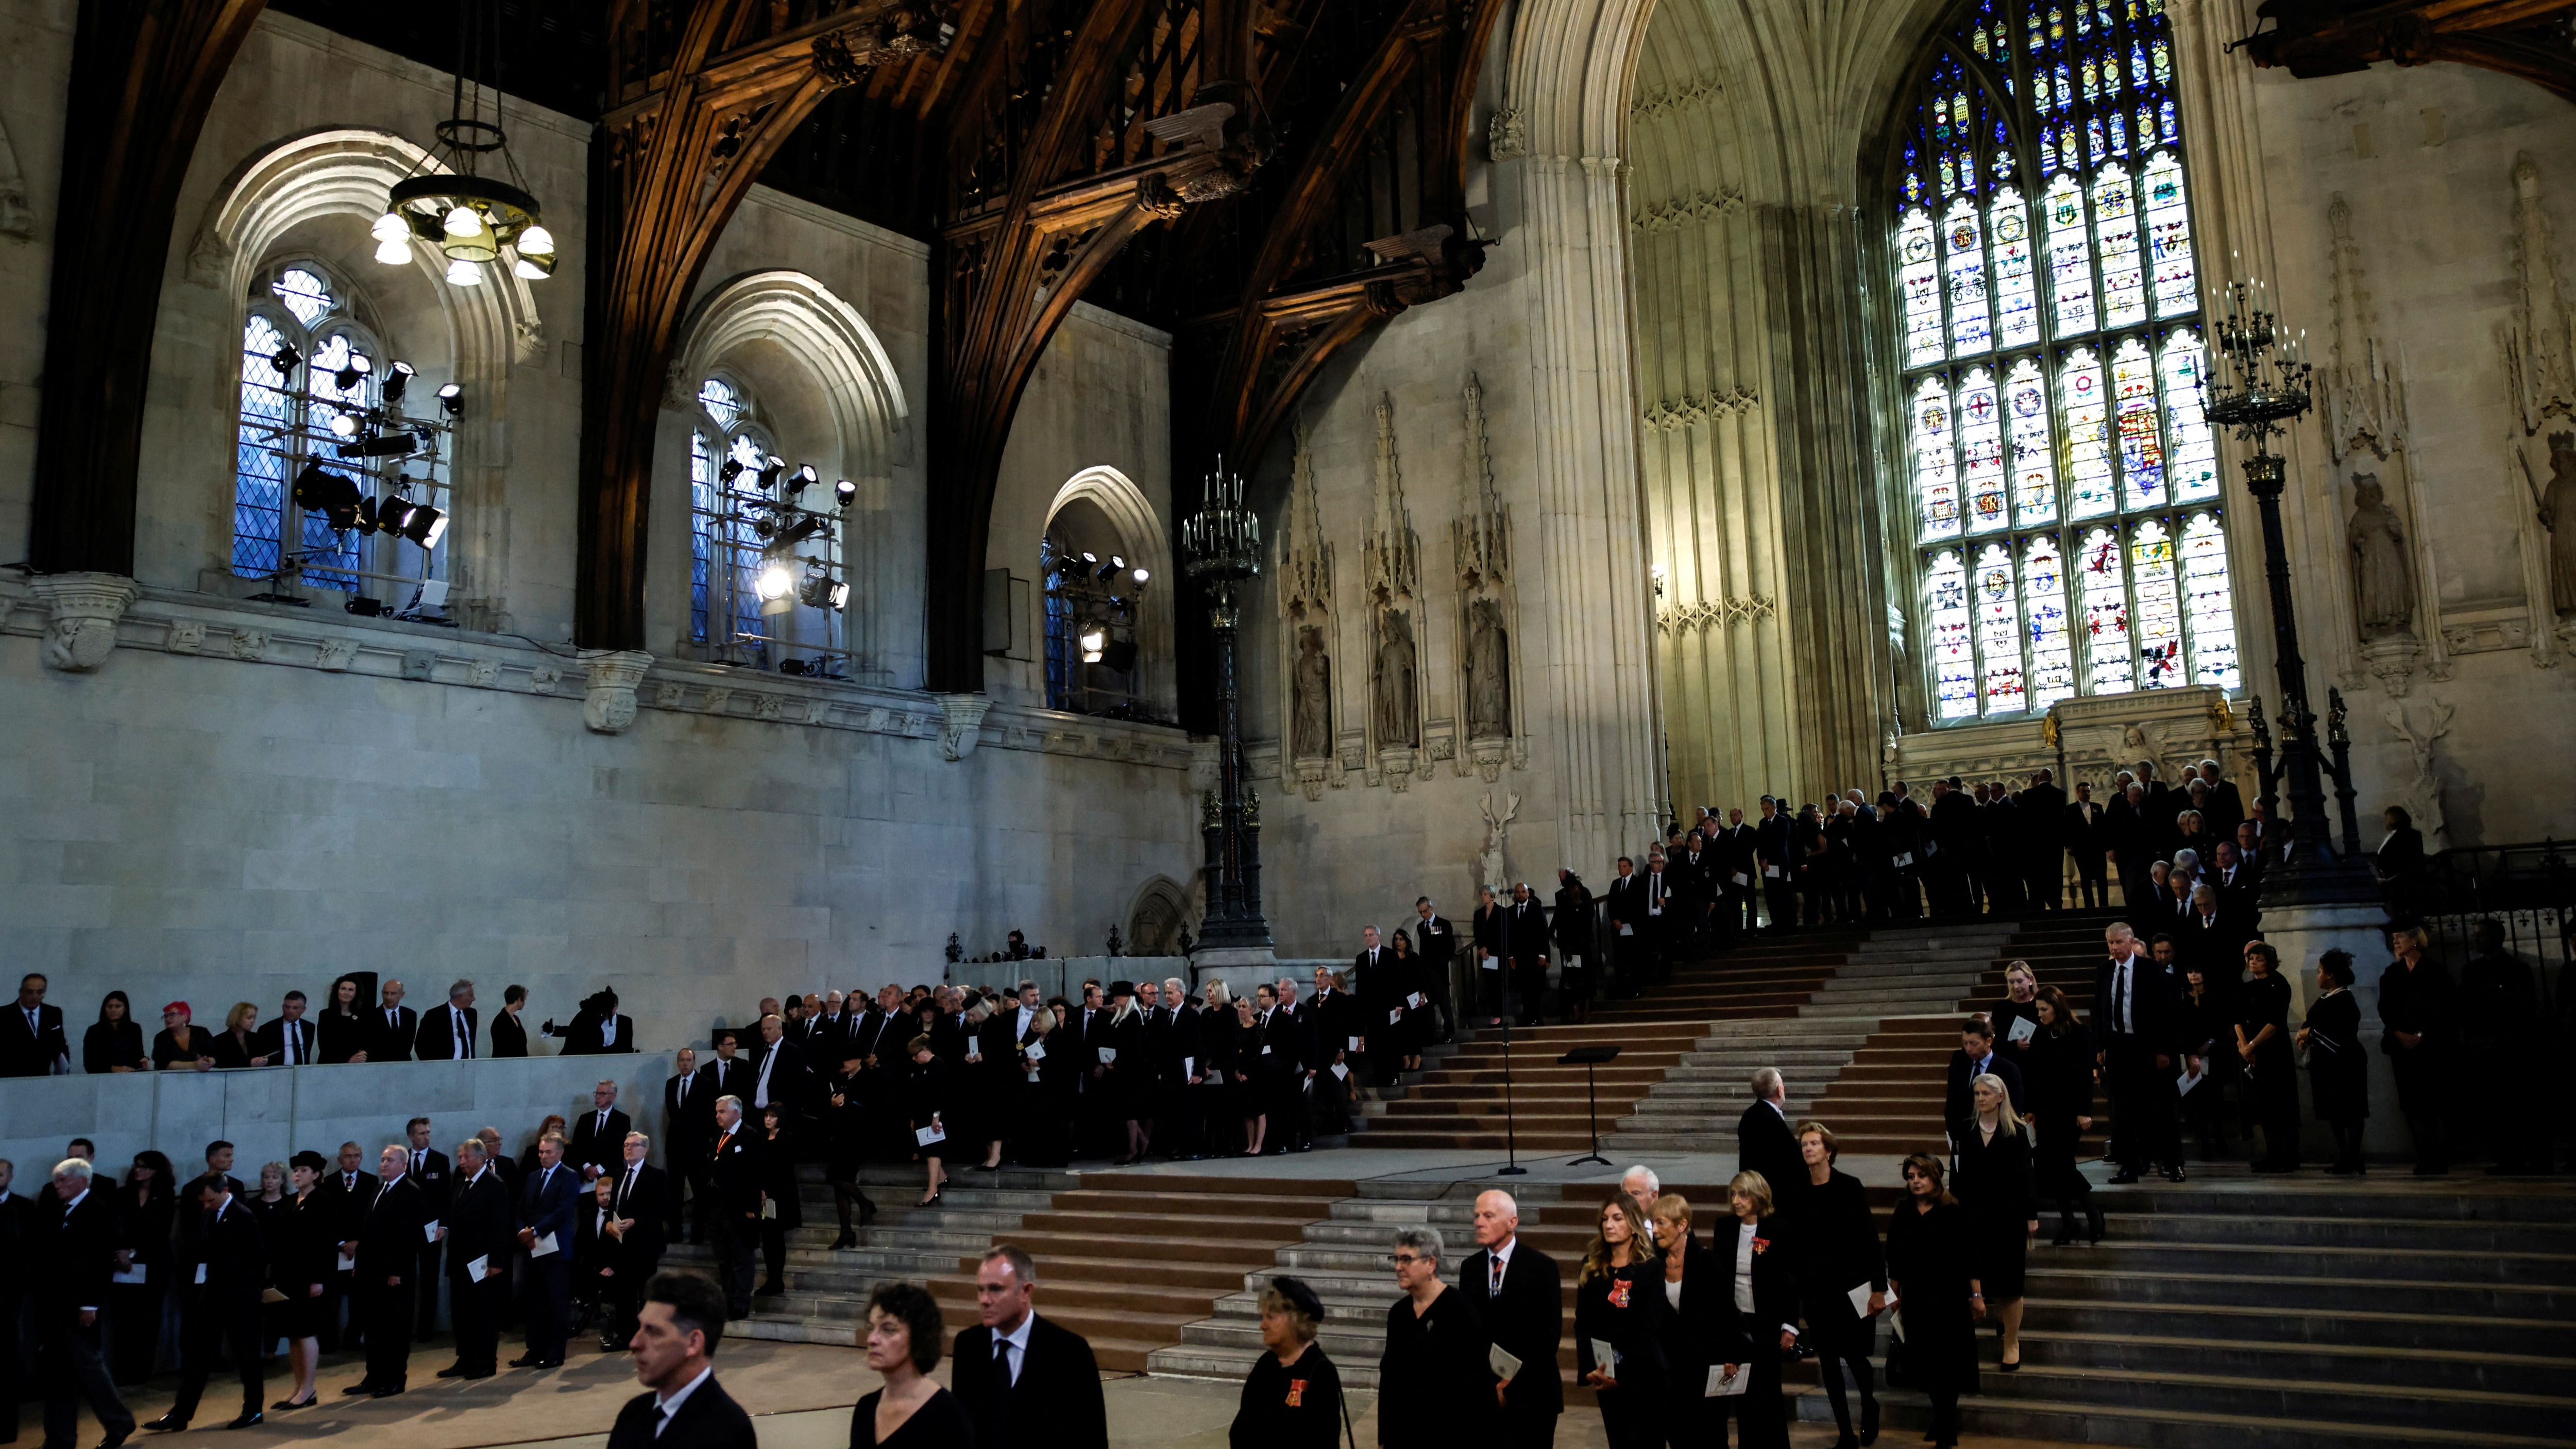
336 655
1395 766
1489 756
1506 135
608 698
961 724
81 610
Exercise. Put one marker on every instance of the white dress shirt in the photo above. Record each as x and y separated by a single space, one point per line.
665 1406
1013 1348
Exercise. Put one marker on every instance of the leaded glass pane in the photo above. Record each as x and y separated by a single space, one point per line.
1981 451
702 512
2115 240
2209 602
2158 615
2169 255
2016 286
304 294
1936 486
1919 280
2088 423
1999 630
2043 606
2034 462
2070 257
2105 598
2142 448
259 457
1954 664
721 402
1970 332
2193 463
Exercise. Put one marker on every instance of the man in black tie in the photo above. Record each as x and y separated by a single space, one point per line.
480 1229
1025 1383
1529 953
219 1306
1435 939
2223 809
674 1349
353 1189
388 1273
75 1240
430 1173
2088 839
1976 1057
597 1029
638 1201
2133 1007
599 1135
685 1117
1658 912
547 1204
1516 1292
778 1074
393 1029
2040 820
287 1041
31 1034
1627 912
733 1177
447 1032
1763 1141
1771 845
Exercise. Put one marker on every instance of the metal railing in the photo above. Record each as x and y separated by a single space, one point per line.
2528 891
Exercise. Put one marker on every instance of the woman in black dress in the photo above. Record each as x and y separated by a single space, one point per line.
1753 1260
509 1034
1413 997
2205 1024
2338 1073
1292 1399
1834 1254
1219 1031
1993 1185
1126 1078
1937 1293
778 1180
145 1208
115 1042
1493 955
846 1128
1572 928
926 1101
2271 1063
1434 1377
1250 1079
1619 1300
237 1045
340 1032
911 1411
303 1249
1040 1139
998 1074
181 1043
2059 1079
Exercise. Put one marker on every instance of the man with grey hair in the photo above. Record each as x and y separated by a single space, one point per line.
1642 1187
1517 1293
68 1284
1763 1142
1024 1379
447 1032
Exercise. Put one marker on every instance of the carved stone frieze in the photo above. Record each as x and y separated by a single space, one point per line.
1690 210
1705 614
608 695
1690 412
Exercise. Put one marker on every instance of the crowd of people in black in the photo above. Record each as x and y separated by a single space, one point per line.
35 1042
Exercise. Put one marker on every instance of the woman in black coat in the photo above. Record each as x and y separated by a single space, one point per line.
2398 861
2338 1073
303 1253
1619 1301
1572 927
2262 1043
115 1042
1435 1380
2205 1024
1493 955
1126 1079
340 1030
1701 1329
181 1044
509 1034
237 1045
1413 993
848 1127
1835 1254
1253 1081
2058 1075
1751 1247
927 1093
778 1180
1929 1267
146 1206
1292 1398
1993 1185
1219 1034
997 1043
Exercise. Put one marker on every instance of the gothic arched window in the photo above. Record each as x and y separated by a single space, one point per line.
2066 496
766 588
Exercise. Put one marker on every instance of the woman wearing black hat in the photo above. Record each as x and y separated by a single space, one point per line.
300 1262
1292 1399
1124 1073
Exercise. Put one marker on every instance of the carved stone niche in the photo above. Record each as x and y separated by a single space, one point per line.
81 610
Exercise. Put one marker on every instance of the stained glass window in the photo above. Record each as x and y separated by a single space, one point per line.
741 496
2049 292
311 394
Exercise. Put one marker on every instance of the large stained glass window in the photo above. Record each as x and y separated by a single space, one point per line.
2066 484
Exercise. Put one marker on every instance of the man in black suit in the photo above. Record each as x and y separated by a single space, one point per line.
480 1228
2040 813
1516 1292
778 1075
548 1203
2133 1015
1976 1057
2213 938
1529 953
599 1135
1625 905
1025 1382
392 1028
31 1034
640 1204
674 1348
430 1173
2223 808
388 1274
2088 838
1950 870
2239 886
16 1222
219 1305
733 1175
1772 847
287 1040
2132 840
447 1032
1435 939
828 1031
73 1241
1763 1142
686 1116
353 1191
597 1029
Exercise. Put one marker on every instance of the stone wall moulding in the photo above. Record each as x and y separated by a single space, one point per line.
17 209
961 724
1690 412
2093 739
81 612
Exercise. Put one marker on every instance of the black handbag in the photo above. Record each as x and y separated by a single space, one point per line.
1899 1367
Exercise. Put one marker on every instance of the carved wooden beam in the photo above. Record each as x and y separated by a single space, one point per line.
144 74
2526 38
687 135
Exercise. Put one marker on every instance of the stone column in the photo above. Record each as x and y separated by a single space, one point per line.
81 610
608 699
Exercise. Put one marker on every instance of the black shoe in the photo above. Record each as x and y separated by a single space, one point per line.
2174 1173
385 1393
249 1420
479 1373
113 1440
528 1360
771 1289
2124 1176
1868 1421
166 1424
2094 1223
360 1387
452 1371
847 1239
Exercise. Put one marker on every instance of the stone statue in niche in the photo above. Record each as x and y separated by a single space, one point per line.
1398 714
2558 515
1311 725
1489 681
2382 582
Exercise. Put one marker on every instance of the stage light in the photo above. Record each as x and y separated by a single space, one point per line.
805 527
1094 639
397 377
845 491
344 426
775 580
1091 558
451 400
285 359
426 526
393 512
800 480
1141 575
1116 562
462 273
393 251
822 591
390 227
332 495
1107 572
351 371
731 470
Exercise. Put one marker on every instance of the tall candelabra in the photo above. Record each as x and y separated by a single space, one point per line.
1221 549
2262 385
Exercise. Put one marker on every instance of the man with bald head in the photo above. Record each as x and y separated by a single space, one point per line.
1517 1292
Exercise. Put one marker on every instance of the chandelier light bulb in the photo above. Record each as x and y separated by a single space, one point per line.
393 251
461 221
464 274
530 270
389 227
537 241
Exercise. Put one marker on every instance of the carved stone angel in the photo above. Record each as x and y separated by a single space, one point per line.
2383 583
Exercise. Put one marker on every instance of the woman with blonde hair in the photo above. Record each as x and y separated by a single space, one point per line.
2020 1003
1701 1329
1246 1086
1752 1258
237 1045
1993 1184
1619 1303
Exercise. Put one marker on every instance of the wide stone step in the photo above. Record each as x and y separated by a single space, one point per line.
2362 1399
2353 1328
2455 1371
2304 1292
2025 1416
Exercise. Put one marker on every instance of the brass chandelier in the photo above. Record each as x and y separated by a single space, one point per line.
473 219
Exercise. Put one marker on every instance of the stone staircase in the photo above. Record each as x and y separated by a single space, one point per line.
2294 1317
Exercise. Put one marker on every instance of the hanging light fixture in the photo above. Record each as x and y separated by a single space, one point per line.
472 219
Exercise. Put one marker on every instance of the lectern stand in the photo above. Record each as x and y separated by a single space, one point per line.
1588 1058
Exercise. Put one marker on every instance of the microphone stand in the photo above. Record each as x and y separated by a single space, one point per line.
1511 1130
